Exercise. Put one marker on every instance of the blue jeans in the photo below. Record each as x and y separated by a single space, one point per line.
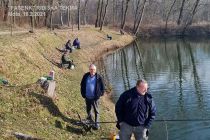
127 130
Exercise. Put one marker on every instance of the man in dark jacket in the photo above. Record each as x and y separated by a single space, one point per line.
92 88
76 43
135 111
68 46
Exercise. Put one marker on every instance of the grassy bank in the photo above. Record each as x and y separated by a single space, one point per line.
26 109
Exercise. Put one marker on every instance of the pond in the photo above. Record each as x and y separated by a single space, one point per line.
178 73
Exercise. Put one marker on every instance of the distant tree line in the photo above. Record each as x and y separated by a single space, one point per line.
128 15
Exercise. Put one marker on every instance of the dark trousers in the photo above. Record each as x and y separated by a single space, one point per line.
69 63
92 105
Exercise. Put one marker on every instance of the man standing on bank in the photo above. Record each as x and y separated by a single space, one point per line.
135 111
92 88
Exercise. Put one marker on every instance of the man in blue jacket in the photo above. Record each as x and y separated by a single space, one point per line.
92 88
76 43
135 111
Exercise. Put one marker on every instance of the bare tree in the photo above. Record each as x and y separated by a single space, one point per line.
37 18
107 2
189 22
136 14
181 12
124 15
168 15
194 11
97 16
68 16
140 17
101 11
117 11
32 17
60 2
113 12
122 11
47 13
51 15
13 19
6 9
78 15
85 16
69 13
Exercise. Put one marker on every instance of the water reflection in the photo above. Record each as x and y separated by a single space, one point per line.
196 77
178 74
124 68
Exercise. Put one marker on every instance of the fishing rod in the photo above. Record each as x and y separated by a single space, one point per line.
181 120
15 86
159 120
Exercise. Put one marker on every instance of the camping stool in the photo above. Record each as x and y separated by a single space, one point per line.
65 66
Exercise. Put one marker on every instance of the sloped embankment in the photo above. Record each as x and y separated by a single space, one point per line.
25 108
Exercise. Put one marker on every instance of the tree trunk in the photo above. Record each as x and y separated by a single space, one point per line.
72 21
85 20
107 2
51 16
32 23
12 20
61 13
37 18
194 11
68 16
122 12
140 18
18 19
13 17
113 14
124 16
2 5
47 15
136 14
61 17
32 17
6 10
181 12
117 12
168 15
78 14
51 20
96 23
102 3
189 22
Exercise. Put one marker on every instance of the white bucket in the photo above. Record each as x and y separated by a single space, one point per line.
72 67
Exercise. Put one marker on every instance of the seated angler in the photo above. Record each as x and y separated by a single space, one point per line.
76 43
68 46
65 60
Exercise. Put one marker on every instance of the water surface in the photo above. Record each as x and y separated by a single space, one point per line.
178 73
